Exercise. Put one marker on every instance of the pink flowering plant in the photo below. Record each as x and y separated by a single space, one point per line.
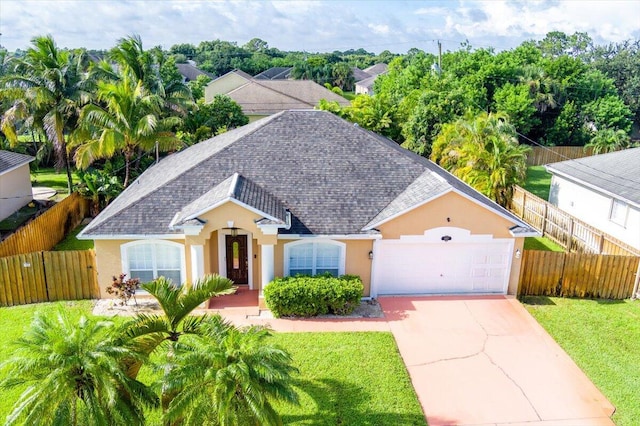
124 289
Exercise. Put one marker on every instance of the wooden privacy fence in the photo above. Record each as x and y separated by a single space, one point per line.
48 276
48 229
570 233
540 155
548 273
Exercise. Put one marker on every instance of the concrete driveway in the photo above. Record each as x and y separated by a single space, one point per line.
486 361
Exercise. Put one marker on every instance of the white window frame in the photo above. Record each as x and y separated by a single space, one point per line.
342 256
154 244
621 205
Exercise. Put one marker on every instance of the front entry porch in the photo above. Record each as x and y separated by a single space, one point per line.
243 299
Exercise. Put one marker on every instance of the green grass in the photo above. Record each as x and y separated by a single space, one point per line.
538 181
603 338
541 243
70 242
349 379
344 378
47 176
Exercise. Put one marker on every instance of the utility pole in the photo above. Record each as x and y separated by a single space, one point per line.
440 55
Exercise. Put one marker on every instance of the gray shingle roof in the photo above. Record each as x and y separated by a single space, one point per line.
616 173
333 177
190 73
274 73
359 75
376 69
10 160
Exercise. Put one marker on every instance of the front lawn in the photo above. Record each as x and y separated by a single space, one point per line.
345 378
603 338
538 181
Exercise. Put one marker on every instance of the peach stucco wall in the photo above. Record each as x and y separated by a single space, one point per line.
461 213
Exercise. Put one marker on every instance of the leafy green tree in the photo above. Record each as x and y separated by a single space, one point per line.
609 112
569 128
74 376
48 87
197 86
483 151
342 75
219 115
128 122
230 377
516 102
99 187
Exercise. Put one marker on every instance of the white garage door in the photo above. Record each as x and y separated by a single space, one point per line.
415 267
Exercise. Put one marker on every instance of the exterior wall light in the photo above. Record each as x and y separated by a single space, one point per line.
518 254
370 254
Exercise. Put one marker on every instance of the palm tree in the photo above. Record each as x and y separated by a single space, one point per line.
74 376
230 377
128 122
144 66
542 89
609 140
148 332
49 87
484 152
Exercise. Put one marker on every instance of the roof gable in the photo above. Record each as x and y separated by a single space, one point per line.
616 173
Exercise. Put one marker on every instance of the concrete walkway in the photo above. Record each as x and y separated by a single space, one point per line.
486 361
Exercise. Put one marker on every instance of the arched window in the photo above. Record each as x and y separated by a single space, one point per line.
148 260
314 258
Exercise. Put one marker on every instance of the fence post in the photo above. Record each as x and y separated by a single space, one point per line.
524 203
544 218
636 285
570 236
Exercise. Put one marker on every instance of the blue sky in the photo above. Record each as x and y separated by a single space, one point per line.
315 26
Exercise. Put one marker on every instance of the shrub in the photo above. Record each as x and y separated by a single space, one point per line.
305 296
124 289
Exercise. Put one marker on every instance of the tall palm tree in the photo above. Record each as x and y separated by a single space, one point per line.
49 86
74 376
609 140
127 121
542 89
144 66
230 377
484 152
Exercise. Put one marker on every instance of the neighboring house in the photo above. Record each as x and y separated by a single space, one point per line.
15 182
601 190
190 72
365 86
225 83
274 73
261 98
306 192
359 75
377 69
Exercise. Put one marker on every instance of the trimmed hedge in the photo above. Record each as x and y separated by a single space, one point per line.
305 296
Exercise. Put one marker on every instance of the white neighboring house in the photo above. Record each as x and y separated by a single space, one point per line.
603 191
15 182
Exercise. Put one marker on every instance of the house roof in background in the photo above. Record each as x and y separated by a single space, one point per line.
359 75
265 97
367 82
616 173
333 177
190 72
274 73
377 69
10 160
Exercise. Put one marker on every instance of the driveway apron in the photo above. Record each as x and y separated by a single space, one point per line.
486 361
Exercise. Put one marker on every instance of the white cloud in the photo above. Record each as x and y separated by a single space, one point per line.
314 25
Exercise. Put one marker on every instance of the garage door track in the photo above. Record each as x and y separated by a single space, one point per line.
486 361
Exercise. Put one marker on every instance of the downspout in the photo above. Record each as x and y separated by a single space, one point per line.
636 286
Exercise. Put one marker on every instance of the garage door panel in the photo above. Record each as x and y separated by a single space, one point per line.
441 268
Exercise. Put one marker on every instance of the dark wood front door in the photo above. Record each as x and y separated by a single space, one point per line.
237 259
